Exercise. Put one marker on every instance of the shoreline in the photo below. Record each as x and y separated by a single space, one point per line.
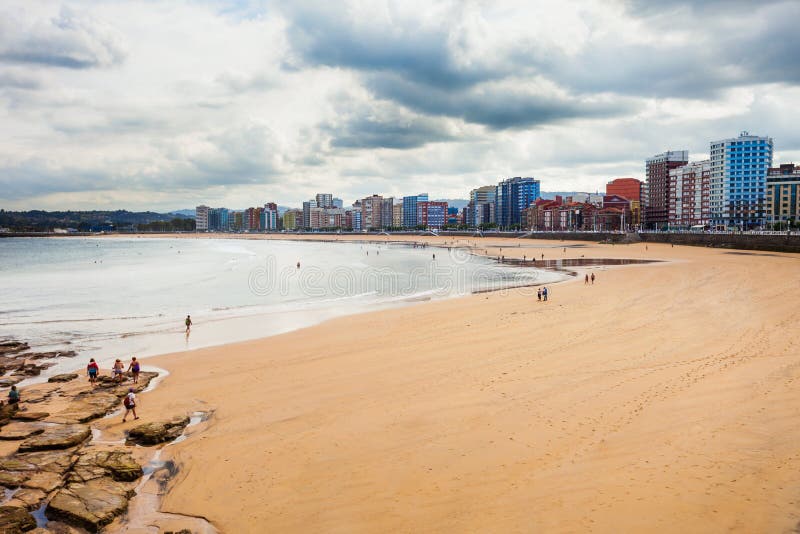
455 414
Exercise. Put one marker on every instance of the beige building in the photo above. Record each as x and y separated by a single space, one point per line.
397 215
371 212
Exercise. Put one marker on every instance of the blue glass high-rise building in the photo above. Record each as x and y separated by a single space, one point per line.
511 197
739 168
410 209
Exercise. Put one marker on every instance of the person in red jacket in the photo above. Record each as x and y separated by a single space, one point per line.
92 369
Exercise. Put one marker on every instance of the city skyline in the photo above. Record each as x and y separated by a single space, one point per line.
171 104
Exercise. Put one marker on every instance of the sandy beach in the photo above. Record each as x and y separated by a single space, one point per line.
662 398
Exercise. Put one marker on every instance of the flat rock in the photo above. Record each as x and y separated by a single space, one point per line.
90 505
8 381
29 369
30 416
12 479
7 411
56 527
58 461
51 354
15 520
117 464
106 383
12 347
20 430
66 377
45 481
30 498
86 408
56 437
158 432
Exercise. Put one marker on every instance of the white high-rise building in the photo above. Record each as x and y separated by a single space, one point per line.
201 218
739 169
689 191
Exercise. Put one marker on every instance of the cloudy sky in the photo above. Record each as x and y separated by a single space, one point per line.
167 104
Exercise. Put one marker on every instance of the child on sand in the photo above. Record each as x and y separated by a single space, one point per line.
134 369
92 369
129 402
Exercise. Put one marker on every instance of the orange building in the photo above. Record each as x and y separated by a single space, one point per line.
630 188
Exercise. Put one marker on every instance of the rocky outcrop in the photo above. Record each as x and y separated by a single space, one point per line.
12 347
66 377
56 437
117 464
14 431
8 381
7 411
45 481
29 416
12 479
90 505
158 432
87 407
105 382
56 461
52 354
15 520
27 498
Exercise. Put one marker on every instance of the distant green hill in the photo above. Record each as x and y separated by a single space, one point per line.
91 221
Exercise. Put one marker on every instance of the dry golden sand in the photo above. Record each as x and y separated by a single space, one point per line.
665 397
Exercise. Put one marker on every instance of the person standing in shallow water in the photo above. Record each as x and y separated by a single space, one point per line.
188 322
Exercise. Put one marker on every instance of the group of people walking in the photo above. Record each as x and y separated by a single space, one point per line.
587 278
118 371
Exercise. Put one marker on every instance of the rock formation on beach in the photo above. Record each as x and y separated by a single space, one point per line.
55 464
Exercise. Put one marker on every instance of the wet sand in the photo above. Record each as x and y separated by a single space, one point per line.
664 397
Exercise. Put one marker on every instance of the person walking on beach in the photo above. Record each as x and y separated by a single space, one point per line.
188 322
118 369
544 294
539 294
134 369
592 278
13 395
586 280
129 402
92 369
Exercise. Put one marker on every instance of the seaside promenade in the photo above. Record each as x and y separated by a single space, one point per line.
662 398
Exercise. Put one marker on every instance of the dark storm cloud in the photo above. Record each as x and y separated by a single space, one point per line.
400 133
69 40
497 107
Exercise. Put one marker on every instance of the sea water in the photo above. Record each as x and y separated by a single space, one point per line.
120 297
